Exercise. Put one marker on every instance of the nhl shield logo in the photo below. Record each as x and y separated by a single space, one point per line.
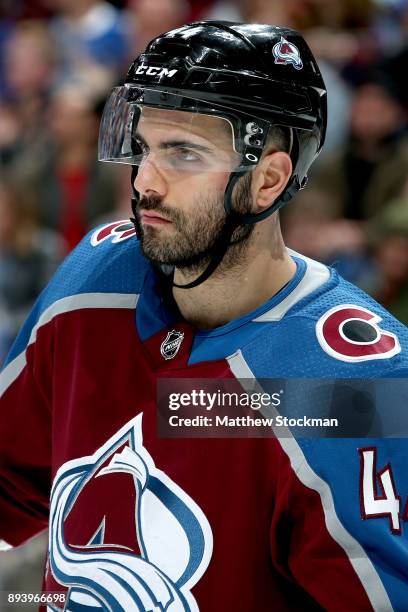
286 52
171 344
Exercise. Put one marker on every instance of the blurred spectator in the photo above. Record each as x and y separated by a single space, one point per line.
6 27
329 18
279 12
223 10
338 14
148 21
72 189
310 228
29 60
339 96
92 40
9 9
29 68
396 63
342 33
396 68
22 9
372 168
389 231
352 186
29 256
388 25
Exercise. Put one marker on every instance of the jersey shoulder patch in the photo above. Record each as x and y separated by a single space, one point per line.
115 232
352 327
353 333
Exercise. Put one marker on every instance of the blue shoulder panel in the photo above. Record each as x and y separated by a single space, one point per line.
290 347
108 260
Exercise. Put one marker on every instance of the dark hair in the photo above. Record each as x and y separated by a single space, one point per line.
279 138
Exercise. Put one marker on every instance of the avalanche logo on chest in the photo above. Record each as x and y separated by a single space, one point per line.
172 543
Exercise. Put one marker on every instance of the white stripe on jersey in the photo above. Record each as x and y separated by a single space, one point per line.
67 304
315 276
356 554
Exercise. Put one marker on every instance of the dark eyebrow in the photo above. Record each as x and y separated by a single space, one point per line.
184 144
176 143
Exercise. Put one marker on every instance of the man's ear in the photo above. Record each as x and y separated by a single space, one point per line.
270 178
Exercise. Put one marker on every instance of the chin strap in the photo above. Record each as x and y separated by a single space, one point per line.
232 221
218 252
135 201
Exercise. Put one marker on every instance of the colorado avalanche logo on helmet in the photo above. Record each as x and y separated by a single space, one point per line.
286 52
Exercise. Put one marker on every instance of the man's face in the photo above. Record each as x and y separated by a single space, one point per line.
181 183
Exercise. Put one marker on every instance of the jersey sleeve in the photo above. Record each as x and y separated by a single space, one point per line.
25 442
106 261
338 528
26 408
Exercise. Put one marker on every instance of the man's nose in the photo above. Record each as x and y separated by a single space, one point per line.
149 180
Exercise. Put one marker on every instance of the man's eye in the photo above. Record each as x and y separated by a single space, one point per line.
186 155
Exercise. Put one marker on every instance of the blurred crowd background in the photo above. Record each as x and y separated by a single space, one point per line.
59 59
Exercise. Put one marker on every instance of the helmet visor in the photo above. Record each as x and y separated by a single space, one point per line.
175 133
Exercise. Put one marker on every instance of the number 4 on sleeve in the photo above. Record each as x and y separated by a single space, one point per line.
373 505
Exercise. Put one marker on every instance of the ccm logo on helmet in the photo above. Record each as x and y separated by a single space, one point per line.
117 232
155 71
351 333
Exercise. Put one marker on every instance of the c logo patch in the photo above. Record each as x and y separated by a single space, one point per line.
351 333
118 231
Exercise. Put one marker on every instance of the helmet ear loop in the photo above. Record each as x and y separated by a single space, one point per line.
135 201
293 186
287 194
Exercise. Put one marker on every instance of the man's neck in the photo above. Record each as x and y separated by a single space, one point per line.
233 292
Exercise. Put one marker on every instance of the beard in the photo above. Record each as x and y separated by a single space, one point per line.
196 235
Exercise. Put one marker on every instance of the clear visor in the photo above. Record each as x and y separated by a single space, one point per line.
133 132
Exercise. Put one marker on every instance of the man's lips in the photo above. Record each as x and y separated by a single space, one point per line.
153 218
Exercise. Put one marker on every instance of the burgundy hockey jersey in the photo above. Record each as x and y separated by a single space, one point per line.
139 522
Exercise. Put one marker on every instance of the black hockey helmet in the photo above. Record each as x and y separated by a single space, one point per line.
252 75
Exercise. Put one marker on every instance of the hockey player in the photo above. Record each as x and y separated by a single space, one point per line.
220 123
